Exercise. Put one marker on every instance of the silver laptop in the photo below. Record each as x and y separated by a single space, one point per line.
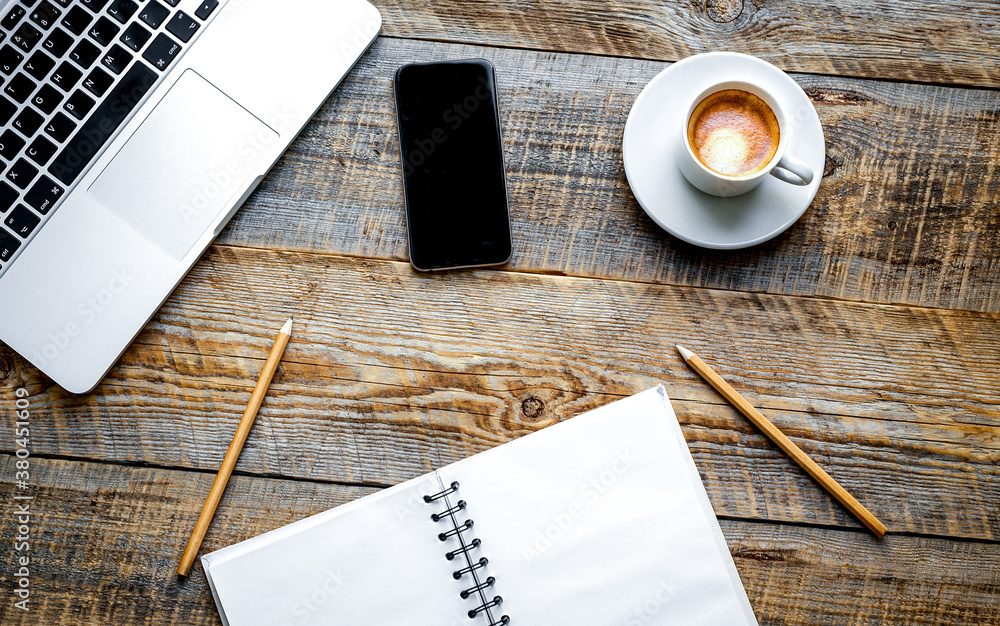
132 131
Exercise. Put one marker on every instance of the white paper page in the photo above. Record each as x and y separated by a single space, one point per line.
374 561
601 520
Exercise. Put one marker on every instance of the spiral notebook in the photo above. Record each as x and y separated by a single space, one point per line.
599 520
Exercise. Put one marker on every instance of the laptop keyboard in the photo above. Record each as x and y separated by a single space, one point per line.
71 72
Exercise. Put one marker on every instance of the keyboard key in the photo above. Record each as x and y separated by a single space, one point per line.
7 110
172 3
11 19
85 144
63 3
85 53
41 150
26 37
122 10
10 145
28 121
94 5
8 245
79 104
98 82
206 9
162 51
22 173
45 15
22 221
43 195
39 65
183 26
58 42
117 59
135 36
104 31
19 88
47 99
66 76
77 20
8 196
60 127
154 14
9 59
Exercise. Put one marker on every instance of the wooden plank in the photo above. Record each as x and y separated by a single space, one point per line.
816 576
937 41
107 539
907 212
391 374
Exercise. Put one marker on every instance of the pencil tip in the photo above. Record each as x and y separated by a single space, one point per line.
287 328
687 354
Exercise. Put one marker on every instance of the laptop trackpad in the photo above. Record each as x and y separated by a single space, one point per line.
183 166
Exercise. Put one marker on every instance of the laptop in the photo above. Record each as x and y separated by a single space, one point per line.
132 131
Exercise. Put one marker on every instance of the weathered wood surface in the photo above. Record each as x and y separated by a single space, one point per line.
908 212
391 374
109 536
937 41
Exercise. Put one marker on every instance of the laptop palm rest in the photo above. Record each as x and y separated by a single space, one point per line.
184 166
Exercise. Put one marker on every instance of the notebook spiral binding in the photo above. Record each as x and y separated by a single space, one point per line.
472 566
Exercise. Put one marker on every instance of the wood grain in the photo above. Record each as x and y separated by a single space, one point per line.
392 374
938 41
787 446
906 213
107 537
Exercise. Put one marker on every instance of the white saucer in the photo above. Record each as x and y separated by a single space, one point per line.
654 125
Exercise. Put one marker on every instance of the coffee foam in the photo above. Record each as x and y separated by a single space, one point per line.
733 132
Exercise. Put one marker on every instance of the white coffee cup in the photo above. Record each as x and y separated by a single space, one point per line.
782 166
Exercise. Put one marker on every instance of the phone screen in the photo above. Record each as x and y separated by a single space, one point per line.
453 168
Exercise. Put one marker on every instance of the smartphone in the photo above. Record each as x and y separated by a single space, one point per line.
454 184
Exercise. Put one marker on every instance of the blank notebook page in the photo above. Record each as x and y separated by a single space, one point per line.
602 519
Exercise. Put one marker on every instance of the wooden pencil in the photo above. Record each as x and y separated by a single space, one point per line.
233 454
783 442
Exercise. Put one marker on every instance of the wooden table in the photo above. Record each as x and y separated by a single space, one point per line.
869 332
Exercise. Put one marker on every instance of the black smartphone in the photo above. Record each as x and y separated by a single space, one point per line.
454 183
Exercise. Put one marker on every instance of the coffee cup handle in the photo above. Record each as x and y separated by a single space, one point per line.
792 170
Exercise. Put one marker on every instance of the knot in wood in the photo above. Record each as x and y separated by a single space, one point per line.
4 368
724 11
532 407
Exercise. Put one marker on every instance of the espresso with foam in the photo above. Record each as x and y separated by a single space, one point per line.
733 132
